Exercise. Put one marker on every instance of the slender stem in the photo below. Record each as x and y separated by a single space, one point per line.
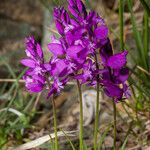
96 118
54 115
97 110
55 124
81 116
114 106
121 24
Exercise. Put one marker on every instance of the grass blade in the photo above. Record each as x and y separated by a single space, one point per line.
84 146
145 6
124 144
146 35
103 137
121 24
138 40
68 140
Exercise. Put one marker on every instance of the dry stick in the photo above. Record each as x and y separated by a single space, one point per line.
36 101
11 80
23 81
143 70
114 106
81 116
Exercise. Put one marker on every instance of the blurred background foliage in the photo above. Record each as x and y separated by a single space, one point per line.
25 116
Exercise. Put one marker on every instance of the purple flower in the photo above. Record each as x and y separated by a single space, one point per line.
62 20
73 55
117 61
88 74
57 86
113 90
35 75
77 9
59 68
33 85
114 74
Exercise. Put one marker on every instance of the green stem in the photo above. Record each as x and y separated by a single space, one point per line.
96 118
81 116
97 110
114 106
55 124
54 115
121 24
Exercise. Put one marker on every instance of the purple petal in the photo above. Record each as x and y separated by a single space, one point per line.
73 11
65 16
29 72
73 51
59 68
59 27
106 52
123 74
28 62
77 54
71 2
81 7
117 61
39 51
30 46
56 87
81 78
47 66
52 91
56 49
113 91
127 92
35 87
39 78
101 32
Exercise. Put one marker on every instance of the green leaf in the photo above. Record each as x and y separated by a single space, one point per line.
124 144
84 146
73 148
103 137
137 37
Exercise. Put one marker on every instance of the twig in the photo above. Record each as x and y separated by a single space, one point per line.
22 81
12 80
143 70
52 30
36 101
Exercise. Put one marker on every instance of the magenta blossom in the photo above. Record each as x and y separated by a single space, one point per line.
82 35
35 75
114 74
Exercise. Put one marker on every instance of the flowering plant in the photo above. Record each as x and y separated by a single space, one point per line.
83 52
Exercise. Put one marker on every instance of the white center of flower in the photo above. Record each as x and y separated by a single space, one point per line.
28 53
68 28
38 70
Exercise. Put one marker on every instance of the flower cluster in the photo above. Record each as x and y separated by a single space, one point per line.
114 73
83 36
35 75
